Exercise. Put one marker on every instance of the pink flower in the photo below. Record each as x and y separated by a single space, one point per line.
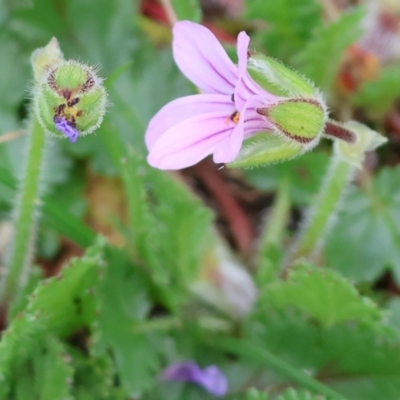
217 121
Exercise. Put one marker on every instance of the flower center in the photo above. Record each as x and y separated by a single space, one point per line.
68 111
235 117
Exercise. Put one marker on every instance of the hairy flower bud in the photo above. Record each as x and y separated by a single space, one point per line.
69 97
298 127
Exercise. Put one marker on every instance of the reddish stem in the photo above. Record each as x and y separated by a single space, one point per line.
238 221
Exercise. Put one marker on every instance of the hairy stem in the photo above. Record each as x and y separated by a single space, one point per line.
276 223
272 235
24 226
320 215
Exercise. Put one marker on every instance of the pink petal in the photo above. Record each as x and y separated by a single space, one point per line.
184 108
255 123
229 148
250 122
243 42
190 141
245 86
202 59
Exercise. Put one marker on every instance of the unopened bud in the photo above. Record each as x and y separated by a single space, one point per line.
299 125
300 120
69 97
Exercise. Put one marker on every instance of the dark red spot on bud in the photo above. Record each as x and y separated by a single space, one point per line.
73 102
66 93
89 83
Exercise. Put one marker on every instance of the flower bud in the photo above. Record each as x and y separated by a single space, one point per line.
69 97
301 120
299 124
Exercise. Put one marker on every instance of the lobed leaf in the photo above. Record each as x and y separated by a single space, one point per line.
322 294
366 237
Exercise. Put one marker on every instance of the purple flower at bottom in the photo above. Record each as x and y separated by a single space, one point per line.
66 128
210 378
217 121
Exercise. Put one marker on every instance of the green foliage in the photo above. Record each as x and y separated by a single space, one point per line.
125 301
321 294
320 59
379 94
365 239
290 24
57 306
187 10
348 338
162 231
94 377
47 375
304 175
347 354
292 394
108 324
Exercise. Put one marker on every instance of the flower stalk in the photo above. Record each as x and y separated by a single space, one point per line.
321 215
25 215
347 158
68 101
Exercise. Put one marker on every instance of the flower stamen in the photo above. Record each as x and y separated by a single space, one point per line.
235 117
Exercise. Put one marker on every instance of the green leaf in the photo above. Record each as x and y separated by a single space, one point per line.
366 237
254 394
345 356
290 24
165 221
379 94
292 394
125 302
304 175
321 294
58 306
94 377
321 58
55 212
47 375
53 371
187 10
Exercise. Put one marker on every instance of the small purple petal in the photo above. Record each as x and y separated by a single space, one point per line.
184 108
66 128
211 378
202 59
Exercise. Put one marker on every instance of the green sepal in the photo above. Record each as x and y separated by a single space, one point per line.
366 140
301 120
266 148
44 57
278 79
